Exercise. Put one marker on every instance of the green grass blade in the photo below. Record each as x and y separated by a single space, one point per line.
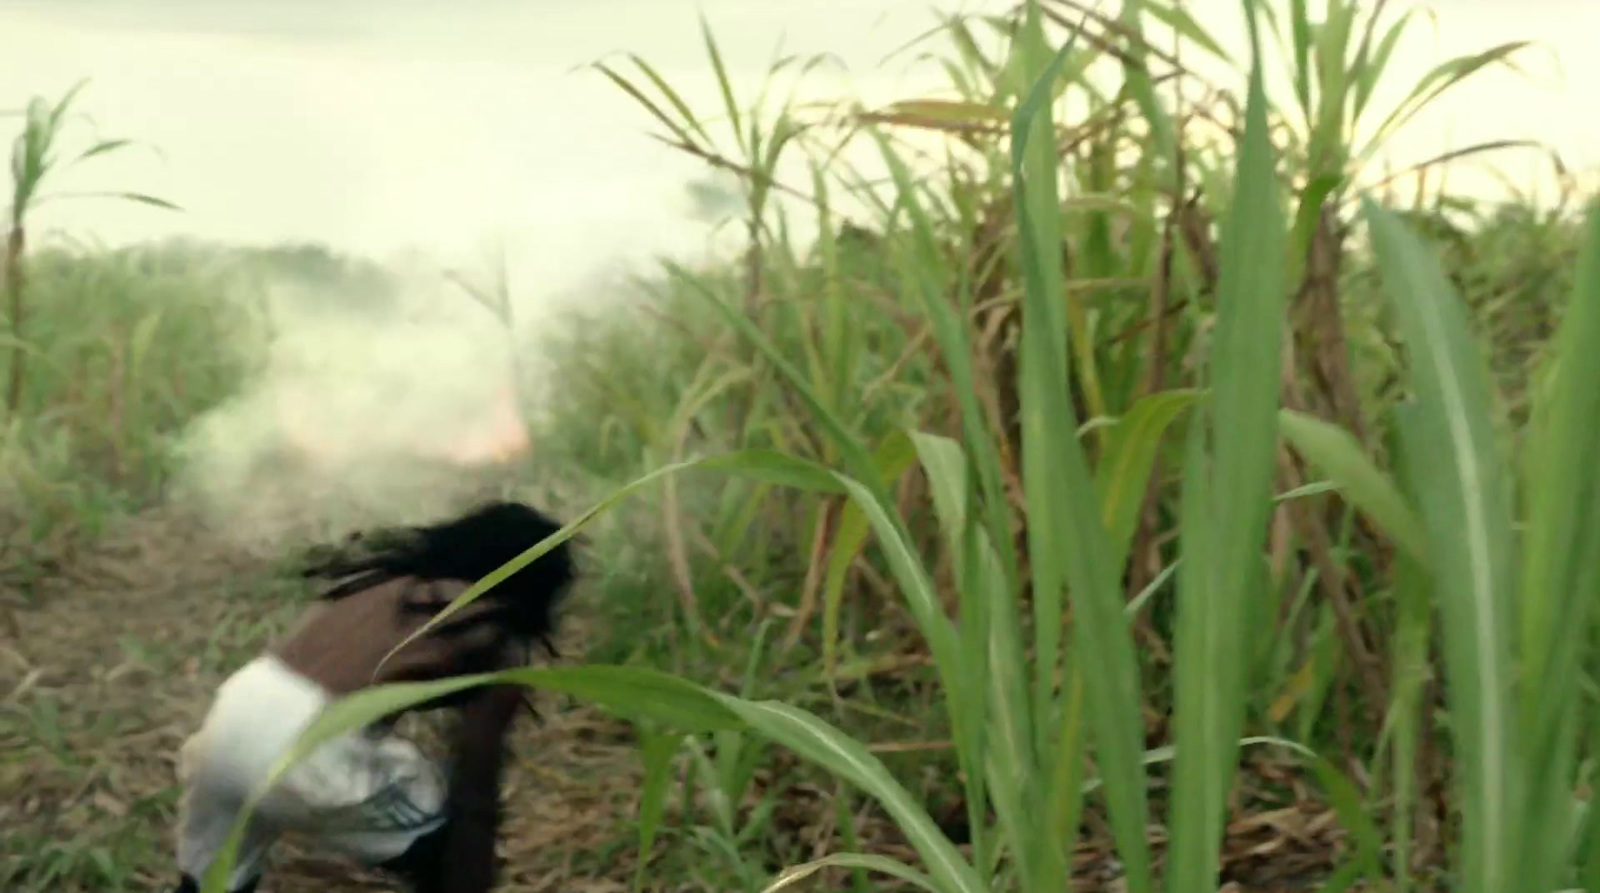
857 460
1300 30
881 864
1067 539
665 89
765 465
1044 371
1561 573
1411 675
813 739
649 105
986 528
633 691
643 693
1463 495
997 680
951 331
1589 842
1377 64
894 456
1136 76
1126 462
916 585
656 749
1232 496
945 467
1336 453
1441 78
1174 16
729 104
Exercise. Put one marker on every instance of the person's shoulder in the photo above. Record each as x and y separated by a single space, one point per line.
411 591
432 594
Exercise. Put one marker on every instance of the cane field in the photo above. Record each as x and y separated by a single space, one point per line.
1139 483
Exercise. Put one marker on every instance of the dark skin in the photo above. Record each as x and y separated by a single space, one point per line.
460 856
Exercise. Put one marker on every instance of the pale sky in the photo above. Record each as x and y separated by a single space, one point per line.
373 126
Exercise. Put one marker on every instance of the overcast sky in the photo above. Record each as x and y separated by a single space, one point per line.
438 125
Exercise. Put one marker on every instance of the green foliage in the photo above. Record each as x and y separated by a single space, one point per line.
1080 448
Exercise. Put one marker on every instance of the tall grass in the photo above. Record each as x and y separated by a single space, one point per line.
36 161
129 346
1035 454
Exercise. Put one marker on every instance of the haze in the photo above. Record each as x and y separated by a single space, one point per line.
377 126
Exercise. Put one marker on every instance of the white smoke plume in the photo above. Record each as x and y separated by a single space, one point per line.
359 413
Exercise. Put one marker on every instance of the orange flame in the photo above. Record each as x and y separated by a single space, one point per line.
497 437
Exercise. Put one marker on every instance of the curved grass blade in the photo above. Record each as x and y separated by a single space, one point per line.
766 465
661 698
1441 78
881 864
1127 460
813 739
984 592
1336 453
893 457
635 691
857 460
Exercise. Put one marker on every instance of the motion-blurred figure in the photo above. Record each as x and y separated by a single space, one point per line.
371 794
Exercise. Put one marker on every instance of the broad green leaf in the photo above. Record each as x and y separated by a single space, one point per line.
1561 573
1463 496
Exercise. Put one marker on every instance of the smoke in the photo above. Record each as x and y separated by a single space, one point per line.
360 411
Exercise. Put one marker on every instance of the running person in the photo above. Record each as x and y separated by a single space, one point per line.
370 794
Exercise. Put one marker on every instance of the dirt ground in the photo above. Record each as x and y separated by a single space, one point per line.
109 662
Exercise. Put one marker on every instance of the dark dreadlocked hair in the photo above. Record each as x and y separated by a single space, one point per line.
466 549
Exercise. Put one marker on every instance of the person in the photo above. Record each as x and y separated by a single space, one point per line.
371 794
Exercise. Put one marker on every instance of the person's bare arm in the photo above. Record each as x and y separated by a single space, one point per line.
476 770
460 856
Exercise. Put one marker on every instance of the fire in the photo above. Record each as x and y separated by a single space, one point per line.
500 437
497 436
